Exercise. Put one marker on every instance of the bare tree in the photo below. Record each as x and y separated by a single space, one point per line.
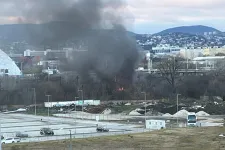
220 54
168 68
217 79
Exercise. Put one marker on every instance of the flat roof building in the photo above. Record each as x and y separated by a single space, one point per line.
166 50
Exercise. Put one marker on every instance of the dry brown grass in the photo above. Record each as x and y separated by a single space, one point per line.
169 139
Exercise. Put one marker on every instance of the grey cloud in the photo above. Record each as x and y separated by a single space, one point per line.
168 11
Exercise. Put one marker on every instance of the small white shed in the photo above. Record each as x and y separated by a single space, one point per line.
155 124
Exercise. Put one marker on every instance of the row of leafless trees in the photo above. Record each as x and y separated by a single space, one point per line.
196 85
21 91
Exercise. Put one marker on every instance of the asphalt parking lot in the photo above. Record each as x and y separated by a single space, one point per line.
31 125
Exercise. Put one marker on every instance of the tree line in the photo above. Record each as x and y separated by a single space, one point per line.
157 86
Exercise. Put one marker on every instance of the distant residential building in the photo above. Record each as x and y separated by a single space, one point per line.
210 33
214 32
53 64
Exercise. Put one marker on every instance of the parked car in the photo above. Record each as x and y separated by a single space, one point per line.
21 135
102 129
46 131
11 140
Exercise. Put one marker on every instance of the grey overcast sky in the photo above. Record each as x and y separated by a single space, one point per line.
147 16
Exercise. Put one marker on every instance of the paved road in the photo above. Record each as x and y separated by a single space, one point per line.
11 123
30 124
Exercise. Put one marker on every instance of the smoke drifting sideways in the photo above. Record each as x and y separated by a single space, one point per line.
111 51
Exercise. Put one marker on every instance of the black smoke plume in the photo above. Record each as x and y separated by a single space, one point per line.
111 52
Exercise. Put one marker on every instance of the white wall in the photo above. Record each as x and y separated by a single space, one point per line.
66 103
191 53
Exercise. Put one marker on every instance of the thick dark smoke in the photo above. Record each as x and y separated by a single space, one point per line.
96 22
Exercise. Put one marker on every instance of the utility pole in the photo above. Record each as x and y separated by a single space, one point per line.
187 64
174 62
75 103
71 146
48 108
82 100
177 107
21 67
75 114
196 65
35 102
186 58
0 138
145 105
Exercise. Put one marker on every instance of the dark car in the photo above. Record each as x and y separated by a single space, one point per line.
102 129
21 135
46 131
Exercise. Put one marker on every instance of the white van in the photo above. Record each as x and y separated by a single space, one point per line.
10 140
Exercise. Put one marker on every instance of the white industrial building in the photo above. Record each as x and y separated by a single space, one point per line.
50 52
34 53
166 50
8 66
191 53
210 58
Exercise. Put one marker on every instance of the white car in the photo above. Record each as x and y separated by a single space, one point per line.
10 140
